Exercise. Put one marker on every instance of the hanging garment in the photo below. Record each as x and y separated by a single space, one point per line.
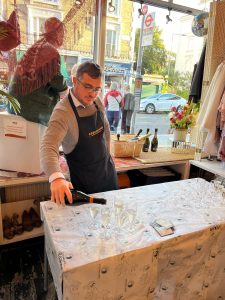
221 125
9 33
208 112
37 81
196 85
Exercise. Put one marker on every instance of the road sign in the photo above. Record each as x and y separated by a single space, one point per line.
144 9
148 21
149 24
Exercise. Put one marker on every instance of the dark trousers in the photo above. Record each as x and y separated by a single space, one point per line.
113 118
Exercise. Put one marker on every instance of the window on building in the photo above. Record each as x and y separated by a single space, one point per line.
52 2
111 44
38 27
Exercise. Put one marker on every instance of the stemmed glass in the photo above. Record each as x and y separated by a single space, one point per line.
131 211
119 214
94 211
105 221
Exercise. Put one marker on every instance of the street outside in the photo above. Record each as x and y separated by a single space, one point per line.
152 121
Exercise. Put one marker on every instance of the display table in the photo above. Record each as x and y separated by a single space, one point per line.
18 192
188 264
214 167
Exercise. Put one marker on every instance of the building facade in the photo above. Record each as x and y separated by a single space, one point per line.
78 17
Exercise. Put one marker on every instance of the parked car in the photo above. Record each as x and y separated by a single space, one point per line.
161 102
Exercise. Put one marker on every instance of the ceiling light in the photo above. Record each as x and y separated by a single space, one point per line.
168 19
140 11
111 7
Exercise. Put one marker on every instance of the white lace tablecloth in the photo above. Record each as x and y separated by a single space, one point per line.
189 264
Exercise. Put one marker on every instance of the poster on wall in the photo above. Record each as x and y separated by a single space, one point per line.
15 128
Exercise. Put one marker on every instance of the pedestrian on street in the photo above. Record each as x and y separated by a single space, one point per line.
113 102
128 110
80 124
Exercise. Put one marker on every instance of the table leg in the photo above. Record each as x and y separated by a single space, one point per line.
45 271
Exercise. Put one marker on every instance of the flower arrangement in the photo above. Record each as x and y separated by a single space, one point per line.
185 118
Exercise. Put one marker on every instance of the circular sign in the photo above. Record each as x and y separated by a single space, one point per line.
148 20
144 9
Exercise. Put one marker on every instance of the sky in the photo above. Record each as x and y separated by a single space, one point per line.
170 31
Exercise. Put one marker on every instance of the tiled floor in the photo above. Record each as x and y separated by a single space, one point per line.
21 272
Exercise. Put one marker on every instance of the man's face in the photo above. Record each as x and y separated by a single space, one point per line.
86 89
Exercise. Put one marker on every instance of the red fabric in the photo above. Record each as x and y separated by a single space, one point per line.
41 62
37 67
9 33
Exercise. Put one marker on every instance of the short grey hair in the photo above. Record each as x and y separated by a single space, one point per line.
114 86
73 71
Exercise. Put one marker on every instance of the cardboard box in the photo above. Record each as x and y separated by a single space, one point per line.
20 144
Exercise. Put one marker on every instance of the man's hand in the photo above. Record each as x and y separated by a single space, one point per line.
59 188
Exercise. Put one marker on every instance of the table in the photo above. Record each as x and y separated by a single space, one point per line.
214 167
189 264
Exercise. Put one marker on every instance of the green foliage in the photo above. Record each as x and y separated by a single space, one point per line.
178 83
9 99
147 90
154 56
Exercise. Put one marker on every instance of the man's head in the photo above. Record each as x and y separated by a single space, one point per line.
87 82
54 31
127 88
114 86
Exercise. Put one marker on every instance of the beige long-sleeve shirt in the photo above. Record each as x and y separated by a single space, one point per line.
63 130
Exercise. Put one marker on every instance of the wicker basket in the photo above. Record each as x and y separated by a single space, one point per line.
124 147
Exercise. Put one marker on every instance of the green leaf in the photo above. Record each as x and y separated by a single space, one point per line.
9 99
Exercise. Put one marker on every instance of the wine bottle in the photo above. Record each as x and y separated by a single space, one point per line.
135 138
154 143
82 198
147 142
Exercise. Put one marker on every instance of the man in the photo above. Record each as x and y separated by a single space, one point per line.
79 123
128 110
37 82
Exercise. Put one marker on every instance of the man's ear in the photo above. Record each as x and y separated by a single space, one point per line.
74 79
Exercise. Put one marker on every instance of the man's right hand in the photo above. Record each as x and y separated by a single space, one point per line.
59 188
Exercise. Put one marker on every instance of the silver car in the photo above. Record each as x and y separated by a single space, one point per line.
161 102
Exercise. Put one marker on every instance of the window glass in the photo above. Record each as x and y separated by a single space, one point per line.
110 43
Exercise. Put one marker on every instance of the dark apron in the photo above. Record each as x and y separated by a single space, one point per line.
92 169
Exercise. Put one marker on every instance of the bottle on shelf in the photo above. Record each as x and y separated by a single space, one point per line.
154 143
146 145
82 198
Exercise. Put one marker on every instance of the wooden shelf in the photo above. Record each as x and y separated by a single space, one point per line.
25 235
22 180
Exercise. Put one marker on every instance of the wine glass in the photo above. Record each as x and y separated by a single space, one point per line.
105 220
94 211
131 211
118 206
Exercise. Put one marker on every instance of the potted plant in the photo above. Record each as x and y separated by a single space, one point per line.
184 119
6 99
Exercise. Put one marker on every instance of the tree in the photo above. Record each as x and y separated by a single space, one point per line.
155 56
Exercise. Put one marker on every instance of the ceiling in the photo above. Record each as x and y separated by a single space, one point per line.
170 5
